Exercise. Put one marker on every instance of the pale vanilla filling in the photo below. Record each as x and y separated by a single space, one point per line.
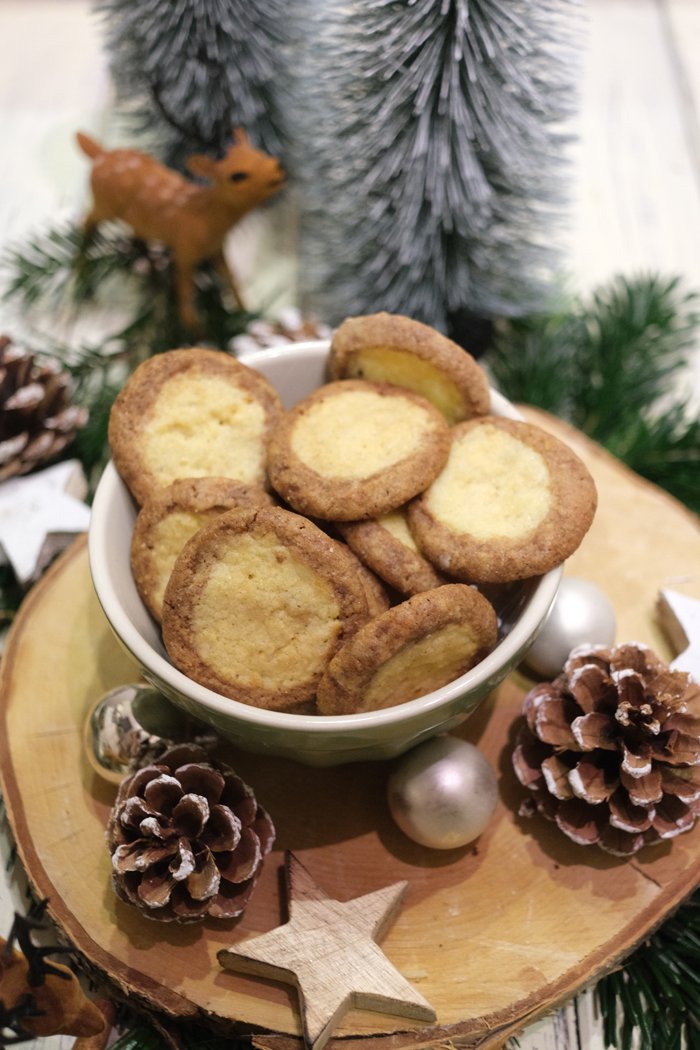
396 525
384 364
204 427
264 618
493 486
169 536
358 433
421 667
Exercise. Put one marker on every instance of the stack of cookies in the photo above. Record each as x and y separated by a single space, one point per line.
334 558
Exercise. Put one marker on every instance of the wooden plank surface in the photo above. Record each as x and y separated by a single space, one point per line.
636 203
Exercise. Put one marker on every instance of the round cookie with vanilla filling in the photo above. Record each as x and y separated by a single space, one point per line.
168 519
386 545
390 348
512 502
354 449
378 600
191 413
410 650
258 602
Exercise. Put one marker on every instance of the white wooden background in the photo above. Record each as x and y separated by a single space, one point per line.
636 192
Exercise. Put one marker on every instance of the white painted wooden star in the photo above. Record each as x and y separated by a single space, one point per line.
680 618
328 950
39 516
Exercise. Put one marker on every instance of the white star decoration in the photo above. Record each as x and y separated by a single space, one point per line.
328 950
38 517
680 618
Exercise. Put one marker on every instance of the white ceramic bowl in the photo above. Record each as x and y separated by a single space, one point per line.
295 371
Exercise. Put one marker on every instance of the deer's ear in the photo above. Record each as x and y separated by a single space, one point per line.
200 164
240 137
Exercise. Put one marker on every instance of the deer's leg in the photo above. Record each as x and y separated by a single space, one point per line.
224 271
87 231
184 286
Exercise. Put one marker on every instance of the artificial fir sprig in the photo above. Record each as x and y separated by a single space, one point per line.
61 266
610 366
658 989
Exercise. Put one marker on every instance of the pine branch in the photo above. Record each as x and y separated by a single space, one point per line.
61 267
638 334
608 367
658 989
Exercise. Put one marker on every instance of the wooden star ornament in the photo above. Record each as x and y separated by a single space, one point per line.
328 950
40 514
680 617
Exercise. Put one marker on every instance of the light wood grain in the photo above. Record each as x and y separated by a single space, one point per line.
328 950
636 203
492 936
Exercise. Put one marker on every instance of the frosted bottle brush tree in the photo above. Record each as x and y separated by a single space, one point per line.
428 145
189 71
425 138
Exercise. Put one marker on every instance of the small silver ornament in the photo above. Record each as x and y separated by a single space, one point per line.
132 725
581 615
443 793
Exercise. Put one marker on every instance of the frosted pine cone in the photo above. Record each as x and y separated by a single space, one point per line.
37 420
187 838
610 749
290 327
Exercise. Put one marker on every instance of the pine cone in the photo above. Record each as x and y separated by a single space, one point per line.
609 749
290 327
37 420
187 838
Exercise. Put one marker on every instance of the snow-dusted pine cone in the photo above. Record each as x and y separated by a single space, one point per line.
290 327
609 749
37 420
187 838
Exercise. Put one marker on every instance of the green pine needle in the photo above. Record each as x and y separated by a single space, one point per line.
608 367
61 267
658 989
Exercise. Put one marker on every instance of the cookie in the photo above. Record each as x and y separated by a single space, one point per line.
191 413
354 450
386 546
169 518
258 602
410 650
512 502
378 599
390 348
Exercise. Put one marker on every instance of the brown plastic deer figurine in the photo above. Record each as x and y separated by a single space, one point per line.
192 220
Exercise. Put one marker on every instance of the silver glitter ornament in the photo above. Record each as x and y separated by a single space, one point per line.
133 725
581 614
443 793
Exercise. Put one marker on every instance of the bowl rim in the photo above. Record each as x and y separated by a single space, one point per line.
317 725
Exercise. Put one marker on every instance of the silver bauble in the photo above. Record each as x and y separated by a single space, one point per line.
443 793
581 614
132 725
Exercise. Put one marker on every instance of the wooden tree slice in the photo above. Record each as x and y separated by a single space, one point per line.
328 950
492 935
